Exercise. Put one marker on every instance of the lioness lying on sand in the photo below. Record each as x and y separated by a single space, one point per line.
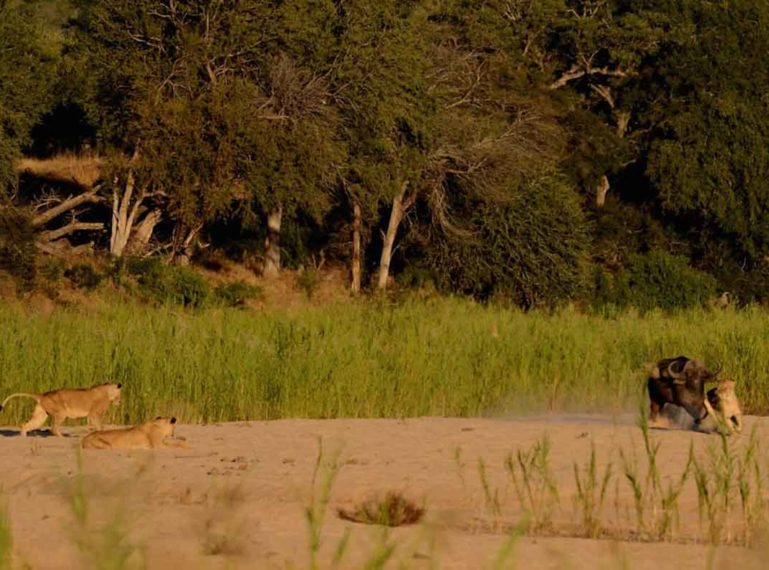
149 435
69 403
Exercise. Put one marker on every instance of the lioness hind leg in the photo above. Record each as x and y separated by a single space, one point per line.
56 425
91 442
36 421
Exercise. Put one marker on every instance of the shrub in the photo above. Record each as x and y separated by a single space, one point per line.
187 287
84 276
167 284
236 294
18 252
655 280
308 280
416 277
532 247
52 269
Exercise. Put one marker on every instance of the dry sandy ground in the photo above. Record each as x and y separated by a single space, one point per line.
249 482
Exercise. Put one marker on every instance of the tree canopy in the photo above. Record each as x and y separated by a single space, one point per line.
504 148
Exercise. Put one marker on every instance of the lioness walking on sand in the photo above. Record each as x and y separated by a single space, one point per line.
91 403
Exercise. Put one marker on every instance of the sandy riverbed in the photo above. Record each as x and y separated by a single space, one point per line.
235 497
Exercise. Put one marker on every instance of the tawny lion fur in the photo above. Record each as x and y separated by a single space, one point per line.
149 435
724 406
91 403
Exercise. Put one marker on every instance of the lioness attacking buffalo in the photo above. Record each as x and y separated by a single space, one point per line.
724 407
680 381
91 403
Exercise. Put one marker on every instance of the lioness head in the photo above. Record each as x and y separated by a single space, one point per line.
725 389
163 425
113 392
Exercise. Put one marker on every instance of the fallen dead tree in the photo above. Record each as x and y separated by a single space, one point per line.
55 218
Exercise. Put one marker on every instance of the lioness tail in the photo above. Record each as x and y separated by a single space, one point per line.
35 397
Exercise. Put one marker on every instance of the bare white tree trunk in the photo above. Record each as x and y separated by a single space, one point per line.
182 254
143 234
272 244
601 191
396 215
623 120
125 208
356 225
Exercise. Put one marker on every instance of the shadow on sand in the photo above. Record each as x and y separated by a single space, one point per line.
10 432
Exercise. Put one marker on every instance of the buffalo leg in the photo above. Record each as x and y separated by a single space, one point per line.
657 399
654 411
694 411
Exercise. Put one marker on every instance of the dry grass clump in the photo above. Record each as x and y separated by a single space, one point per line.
223 533
66 167
391 510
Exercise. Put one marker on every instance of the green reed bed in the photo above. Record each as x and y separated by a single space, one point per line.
368 359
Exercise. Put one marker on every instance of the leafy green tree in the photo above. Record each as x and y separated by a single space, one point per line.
152 69
27 70
380 88
497 146
30 46
533 248
708 159
287 147
587 54
210 111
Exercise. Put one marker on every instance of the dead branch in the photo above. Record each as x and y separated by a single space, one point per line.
91 197
604 93
71 228
575 72
478 76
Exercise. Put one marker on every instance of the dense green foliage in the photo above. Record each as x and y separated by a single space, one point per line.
524 140
443 357
160 284
654 280
532 248
27 56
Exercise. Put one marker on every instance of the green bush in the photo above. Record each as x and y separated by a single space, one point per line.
18 251
655 280
52 269
416 277
84 276
532 248
236 294
167 284
308 280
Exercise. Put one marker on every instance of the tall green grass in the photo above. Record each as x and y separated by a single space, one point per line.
368 359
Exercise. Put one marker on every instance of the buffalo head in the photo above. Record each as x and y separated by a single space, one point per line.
679 381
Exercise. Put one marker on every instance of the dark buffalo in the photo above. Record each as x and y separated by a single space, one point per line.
679 381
